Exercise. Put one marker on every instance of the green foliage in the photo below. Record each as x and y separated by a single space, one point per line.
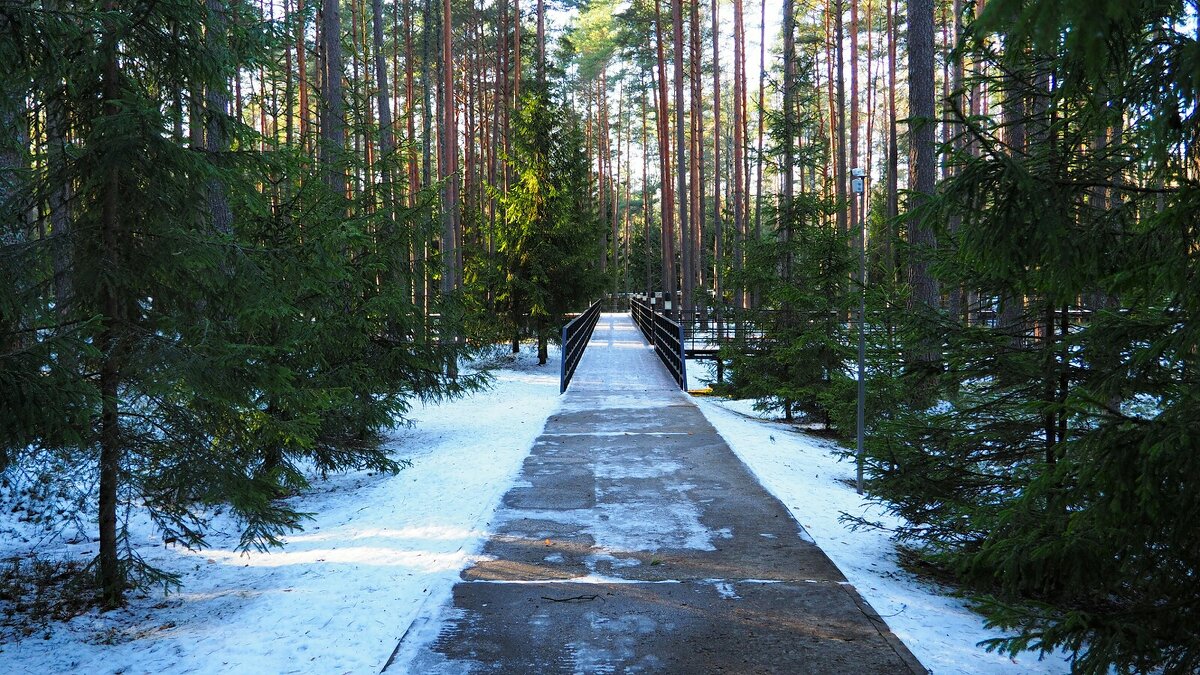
1052 466
795 344
798 345
548 237
246 354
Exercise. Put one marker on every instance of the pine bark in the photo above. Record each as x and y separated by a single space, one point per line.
718 222
922 157
738 138
449 163
664 153
852 153
333 116
681 187
893 156
216 102
697 158
59 199
541 39
386 143
762 117
840 83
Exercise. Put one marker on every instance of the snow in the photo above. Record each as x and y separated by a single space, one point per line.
700 374
807 476
338 596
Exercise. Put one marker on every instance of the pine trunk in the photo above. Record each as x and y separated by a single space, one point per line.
718 222
664 153
333 125
681 187
922 158
739 144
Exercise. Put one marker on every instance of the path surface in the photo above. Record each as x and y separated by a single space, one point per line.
636 541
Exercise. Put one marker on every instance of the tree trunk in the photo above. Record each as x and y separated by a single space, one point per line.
516 50
449 163
893 155
216 101
762 115
1012 119
664 153
541 39
957 299
616 197
718 222
789 104
111 571
333 125
681 188
840 83
852 153
646 210
697 158
739 137
386 144
59 200
922 158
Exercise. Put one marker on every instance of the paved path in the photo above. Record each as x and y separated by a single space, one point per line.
636 541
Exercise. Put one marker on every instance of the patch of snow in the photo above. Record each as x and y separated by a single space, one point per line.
724 589
613 561
585 579
614 471
632 525
807 476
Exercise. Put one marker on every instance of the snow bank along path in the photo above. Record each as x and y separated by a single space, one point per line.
340 594
635 540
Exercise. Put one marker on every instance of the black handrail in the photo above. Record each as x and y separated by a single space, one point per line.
665 335
575 336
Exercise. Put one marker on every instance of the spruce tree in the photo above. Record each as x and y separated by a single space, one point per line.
1055 471
545 239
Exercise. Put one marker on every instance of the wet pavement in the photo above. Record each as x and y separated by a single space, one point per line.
636 541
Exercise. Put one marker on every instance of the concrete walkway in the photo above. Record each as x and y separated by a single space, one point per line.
636 541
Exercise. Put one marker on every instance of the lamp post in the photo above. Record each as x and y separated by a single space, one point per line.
858 179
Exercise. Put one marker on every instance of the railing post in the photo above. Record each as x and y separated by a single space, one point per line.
562 360
682 361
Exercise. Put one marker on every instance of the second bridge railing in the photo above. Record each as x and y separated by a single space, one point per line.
665 335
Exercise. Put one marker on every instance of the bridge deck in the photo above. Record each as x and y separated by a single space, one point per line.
635 540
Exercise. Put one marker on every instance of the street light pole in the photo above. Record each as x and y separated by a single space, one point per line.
858 178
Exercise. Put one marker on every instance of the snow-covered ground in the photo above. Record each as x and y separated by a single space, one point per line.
338 597
805 474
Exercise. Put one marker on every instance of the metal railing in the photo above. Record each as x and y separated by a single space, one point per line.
575 336
665 335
